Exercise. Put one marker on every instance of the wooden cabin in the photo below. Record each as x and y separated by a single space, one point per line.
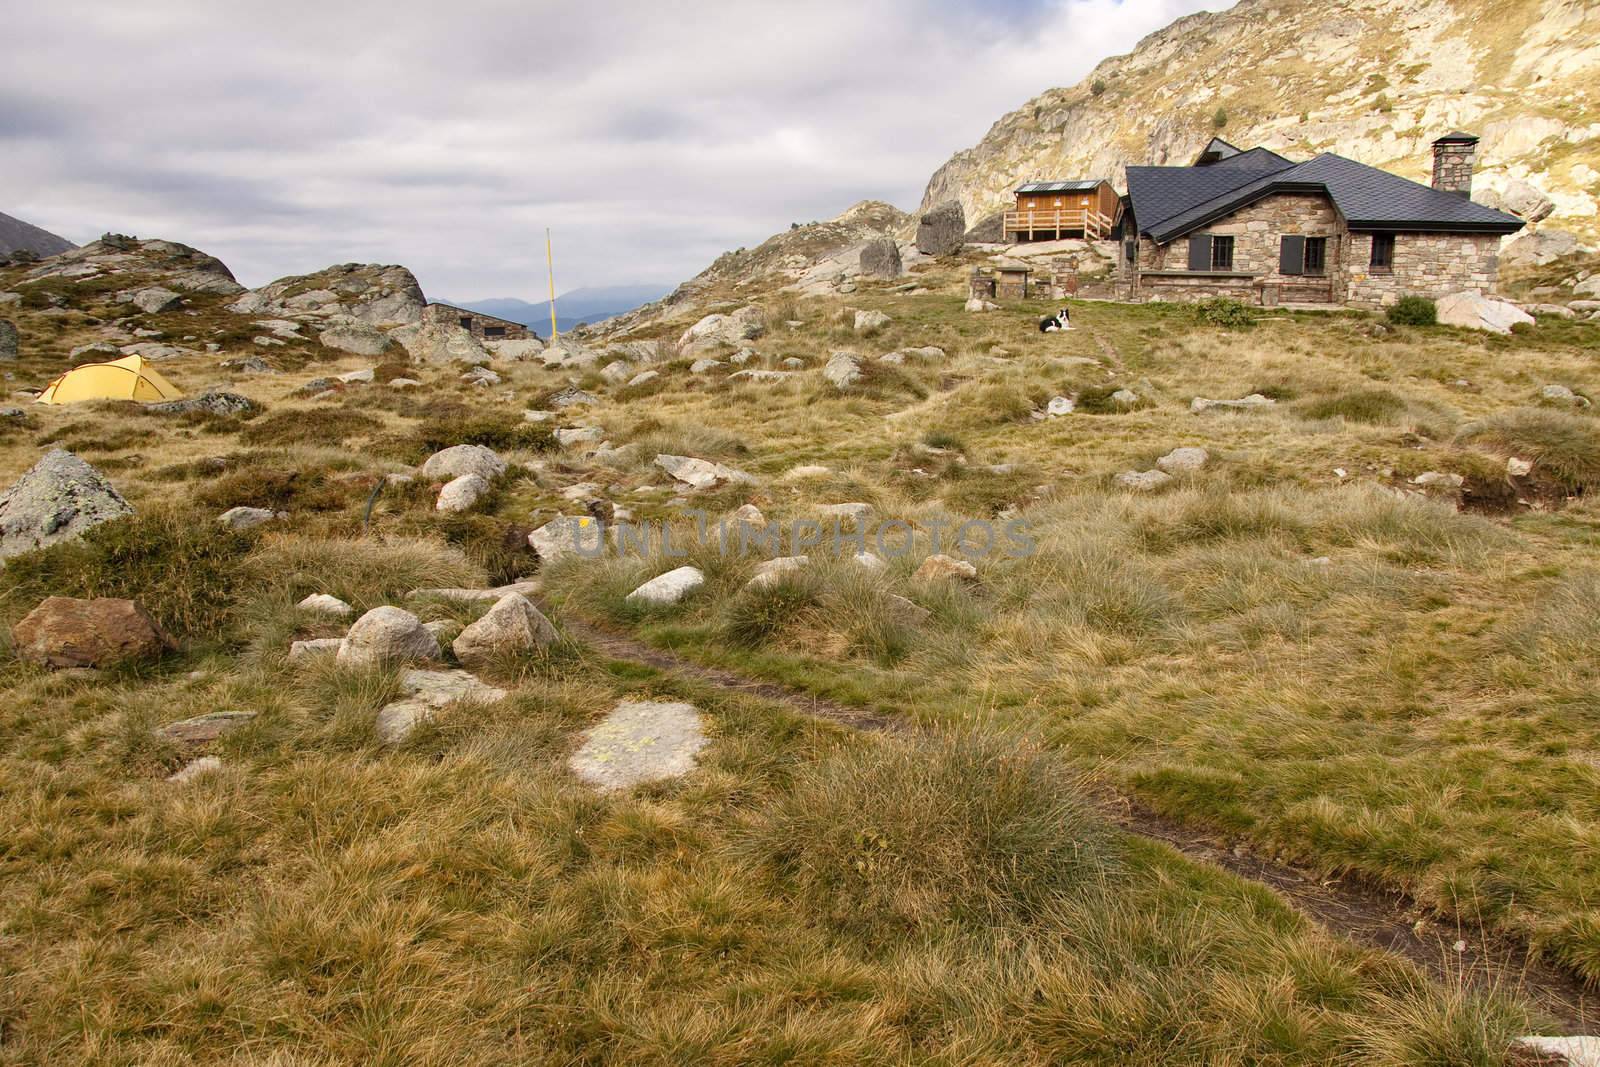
1049 211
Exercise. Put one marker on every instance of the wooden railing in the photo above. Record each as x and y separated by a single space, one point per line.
1092 224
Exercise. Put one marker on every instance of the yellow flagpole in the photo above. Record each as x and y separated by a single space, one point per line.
550 262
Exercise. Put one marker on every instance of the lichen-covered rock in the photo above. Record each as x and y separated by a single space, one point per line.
640 741
434 342
356 338
204 729
512 625
324 604
370 293
699 473
210 402
1142 481
843 370
426 693
1478 312
247 518
870 322
387 635
1183 460
565 535
941 566
69 632
58 499
458 460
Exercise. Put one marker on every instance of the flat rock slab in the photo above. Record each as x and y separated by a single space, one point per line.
475 596
640 741
1578 1051
203 729
425 693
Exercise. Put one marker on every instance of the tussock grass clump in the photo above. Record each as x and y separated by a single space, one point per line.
1357 405
1213 514
279 488
498 547
181 566
502 431
977 829
1563 447
363 573
319 426
756 615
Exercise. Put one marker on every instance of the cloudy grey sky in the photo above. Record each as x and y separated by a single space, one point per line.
650 137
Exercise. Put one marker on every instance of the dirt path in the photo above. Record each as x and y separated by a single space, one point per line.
1364 913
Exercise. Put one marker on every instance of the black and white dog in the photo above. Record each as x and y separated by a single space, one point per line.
1061 321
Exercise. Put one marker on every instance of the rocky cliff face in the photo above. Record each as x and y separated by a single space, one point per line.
1373 80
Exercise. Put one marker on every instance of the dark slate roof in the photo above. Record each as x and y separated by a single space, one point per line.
1215 147
1161 193
1368 198
1255 159
1081 185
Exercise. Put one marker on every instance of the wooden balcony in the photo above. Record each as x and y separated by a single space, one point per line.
1060 223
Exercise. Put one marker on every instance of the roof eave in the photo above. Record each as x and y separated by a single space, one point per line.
1423 226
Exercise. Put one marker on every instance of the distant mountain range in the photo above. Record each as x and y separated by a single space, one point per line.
579 306
16 234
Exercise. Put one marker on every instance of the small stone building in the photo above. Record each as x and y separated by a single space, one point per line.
1263 229
483 327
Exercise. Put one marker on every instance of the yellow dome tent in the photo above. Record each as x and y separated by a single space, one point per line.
129 378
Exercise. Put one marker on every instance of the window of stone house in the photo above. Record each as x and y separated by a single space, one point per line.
466 322
1222 253
1316 255
1382 251
494 331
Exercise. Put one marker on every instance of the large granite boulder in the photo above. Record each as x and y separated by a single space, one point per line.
942 231
433 342
512 625
68 632
58 499
387 635
880 258
1478 312
459 460
356 338
1537 249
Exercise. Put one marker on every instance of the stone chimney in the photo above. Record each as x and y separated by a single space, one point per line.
1453 156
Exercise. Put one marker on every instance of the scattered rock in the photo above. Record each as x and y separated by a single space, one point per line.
1142 481
942 231
567 535
1518 468
869 322
403 383
458 460
318 646
482 376
515 351
460 494
807 470
426 693
1571 1051
1125 398
512 625
9 342
643 378
197 768
571 397
1539 248
880 258
757 374
746 324
244 518
153 301
69 632
1058 406
1519 198
1560 394
856 511
705 366
699 473
640 741
210 402
771 571
940 566
869 560
204 729
387 635
247 365
1244 403
669 588
843 370
59 499
1183 460
356 338
1438 480
1477 312
977 303
82 353
323 604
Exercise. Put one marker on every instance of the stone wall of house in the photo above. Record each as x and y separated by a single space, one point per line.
474 322
1425 264
1257 231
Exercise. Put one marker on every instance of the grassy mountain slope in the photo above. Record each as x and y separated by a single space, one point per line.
1375 80
1347 669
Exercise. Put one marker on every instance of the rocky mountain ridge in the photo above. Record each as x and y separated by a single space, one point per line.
1373 80
19 236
